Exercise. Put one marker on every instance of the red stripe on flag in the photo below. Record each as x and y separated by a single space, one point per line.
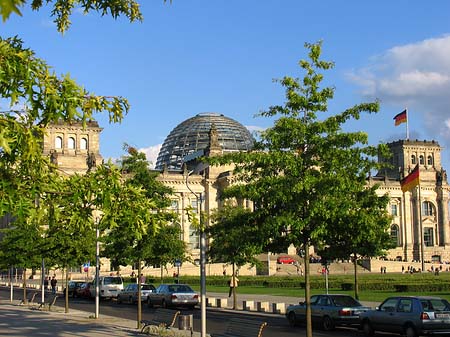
411 180
400 118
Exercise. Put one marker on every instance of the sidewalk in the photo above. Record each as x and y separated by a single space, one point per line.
21 320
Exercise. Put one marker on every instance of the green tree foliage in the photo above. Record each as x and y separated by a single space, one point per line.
125 246
63 9
234 239
360 228
301 164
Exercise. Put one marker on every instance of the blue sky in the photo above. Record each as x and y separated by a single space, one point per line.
221 56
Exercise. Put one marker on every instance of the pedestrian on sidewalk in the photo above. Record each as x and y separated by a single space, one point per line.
233 283
53 283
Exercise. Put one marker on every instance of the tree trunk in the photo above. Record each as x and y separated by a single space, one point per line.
139 306
66 295
307 291
234 288
24 284
355 267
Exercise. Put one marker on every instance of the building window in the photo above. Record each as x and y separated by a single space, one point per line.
394 209
83 144
71 143
427 209
395 235
58 142
413 159
436 259
194 239
174 205
421 160
430 160
194 206
428 236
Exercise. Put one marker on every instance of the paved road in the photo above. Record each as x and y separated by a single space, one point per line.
120 320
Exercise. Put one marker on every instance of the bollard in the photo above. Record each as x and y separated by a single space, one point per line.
185 322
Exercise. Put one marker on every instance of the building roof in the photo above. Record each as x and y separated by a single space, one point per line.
192 135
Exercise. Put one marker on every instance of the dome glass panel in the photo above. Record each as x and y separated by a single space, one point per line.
193 135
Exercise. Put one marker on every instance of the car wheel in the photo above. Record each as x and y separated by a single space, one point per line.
367 328
327 323
119 299
130 300
164 304
149 303
410 331
292 319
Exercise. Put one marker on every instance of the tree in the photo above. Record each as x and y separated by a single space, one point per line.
360 228
160 243
297 167
62 9
234 239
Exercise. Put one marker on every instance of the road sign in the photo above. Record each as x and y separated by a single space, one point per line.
177 263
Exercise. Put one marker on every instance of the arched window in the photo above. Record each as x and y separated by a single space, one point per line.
83 144
427 208
430 160
413 160
71 143
58 142
421 160
395 235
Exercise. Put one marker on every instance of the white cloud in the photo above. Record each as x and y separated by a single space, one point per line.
417 76
151 153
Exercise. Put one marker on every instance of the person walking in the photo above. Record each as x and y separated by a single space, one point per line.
53 283
233 282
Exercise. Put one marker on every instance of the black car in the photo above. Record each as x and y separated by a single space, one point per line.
73 286
328 311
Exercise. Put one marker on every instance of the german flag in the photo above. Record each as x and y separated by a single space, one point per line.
400 118
411 180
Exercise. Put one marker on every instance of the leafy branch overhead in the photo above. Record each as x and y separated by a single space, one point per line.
63 9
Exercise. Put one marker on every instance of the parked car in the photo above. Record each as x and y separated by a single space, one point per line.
130 293
285 260
408 315
328 310
73 286
109 286
173 295
84 290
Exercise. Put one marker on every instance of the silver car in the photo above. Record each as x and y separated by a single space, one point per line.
173 295
328 310
408 315
130 293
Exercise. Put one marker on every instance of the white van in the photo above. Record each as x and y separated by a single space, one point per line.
109 286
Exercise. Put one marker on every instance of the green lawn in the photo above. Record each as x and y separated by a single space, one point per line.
364 295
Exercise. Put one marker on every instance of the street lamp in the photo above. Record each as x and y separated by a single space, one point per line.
202 260
97 215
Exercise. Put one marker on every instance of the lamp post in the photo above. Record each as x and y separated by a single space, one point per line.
97 270
202 260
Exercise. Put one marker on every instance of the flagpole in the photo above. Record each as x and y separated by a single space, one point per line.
405 240
422 243
407 124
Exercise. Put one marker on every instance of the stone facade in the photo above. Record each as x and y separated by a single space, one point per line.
73 148
200 189
410 222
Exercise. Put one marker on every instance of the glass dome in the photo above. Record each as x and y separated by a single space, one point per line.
193 135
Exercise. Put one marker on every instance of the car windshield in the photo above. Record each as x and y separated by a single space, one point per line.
112 280
147 287
345 301
180 289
